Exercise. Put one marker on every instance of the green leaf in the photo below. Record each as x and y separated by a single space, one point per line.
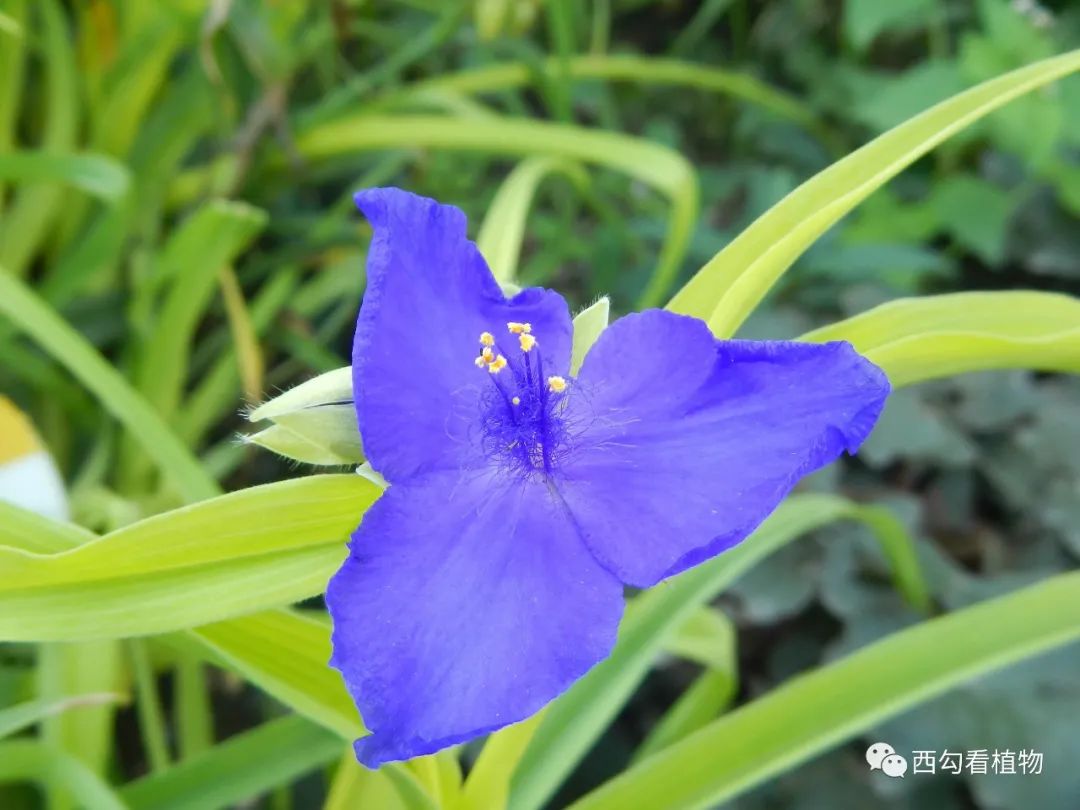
575 721
29 531
26 761
208 240
26 222
12 69
503 229
588 324
81 668
975 213
355 786
885 100
168 601
214 396
662 168
488 784
865 19
639 69
732 283
284 653
707 637
240 553
14 719
702 702
813 712
917 339
240 768
98 175
137 75
59 339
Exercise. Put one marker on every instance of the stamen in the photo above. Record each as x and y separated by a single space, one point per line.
487 356
527 342
519 328
516 400
487 339
497 365
556 384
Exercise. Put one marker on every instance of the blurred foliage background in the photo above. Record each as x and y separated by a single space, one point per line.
190 200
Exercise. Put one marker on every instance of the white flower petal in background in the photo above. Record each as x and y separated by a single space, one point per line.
28 476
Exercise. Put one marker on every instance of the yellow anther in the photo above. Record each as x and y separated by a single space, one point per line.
497 365
516 400
527 342
480 362
556 384
487 339
519 328
485 358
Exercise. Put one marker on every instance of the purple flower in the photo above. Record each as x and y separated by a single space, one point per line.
489 576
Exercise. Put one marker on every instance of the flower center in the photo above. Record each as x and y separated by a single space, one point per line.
521 422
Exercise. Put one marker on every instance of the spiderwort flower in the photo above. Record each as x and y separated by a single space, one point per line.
489 576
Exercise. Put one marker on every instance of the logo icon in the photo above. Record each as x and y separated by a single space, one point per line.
883 757
876 753
894 765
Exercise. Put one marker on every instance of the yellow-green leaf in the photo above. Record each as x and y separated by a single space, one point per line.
726 290
916 339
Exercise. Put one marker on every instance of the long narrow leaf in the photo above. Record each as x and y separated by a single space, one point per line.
58 338
23 715
28 531
26 222
237 554
638 69
95 174
244 766
575 721
814 712
656 165
207 242
916 339
503 229
285 654
283 516
27 761
727 289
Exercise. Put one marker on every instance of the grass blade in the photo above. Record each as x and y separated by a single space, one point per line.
190 263
14 719
663 169
733 282
34 206
811 713
640 69
59 339
236 554
29 531
244 766
26 761
503 229
285 654
575 720
702 702
98 175
917 339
